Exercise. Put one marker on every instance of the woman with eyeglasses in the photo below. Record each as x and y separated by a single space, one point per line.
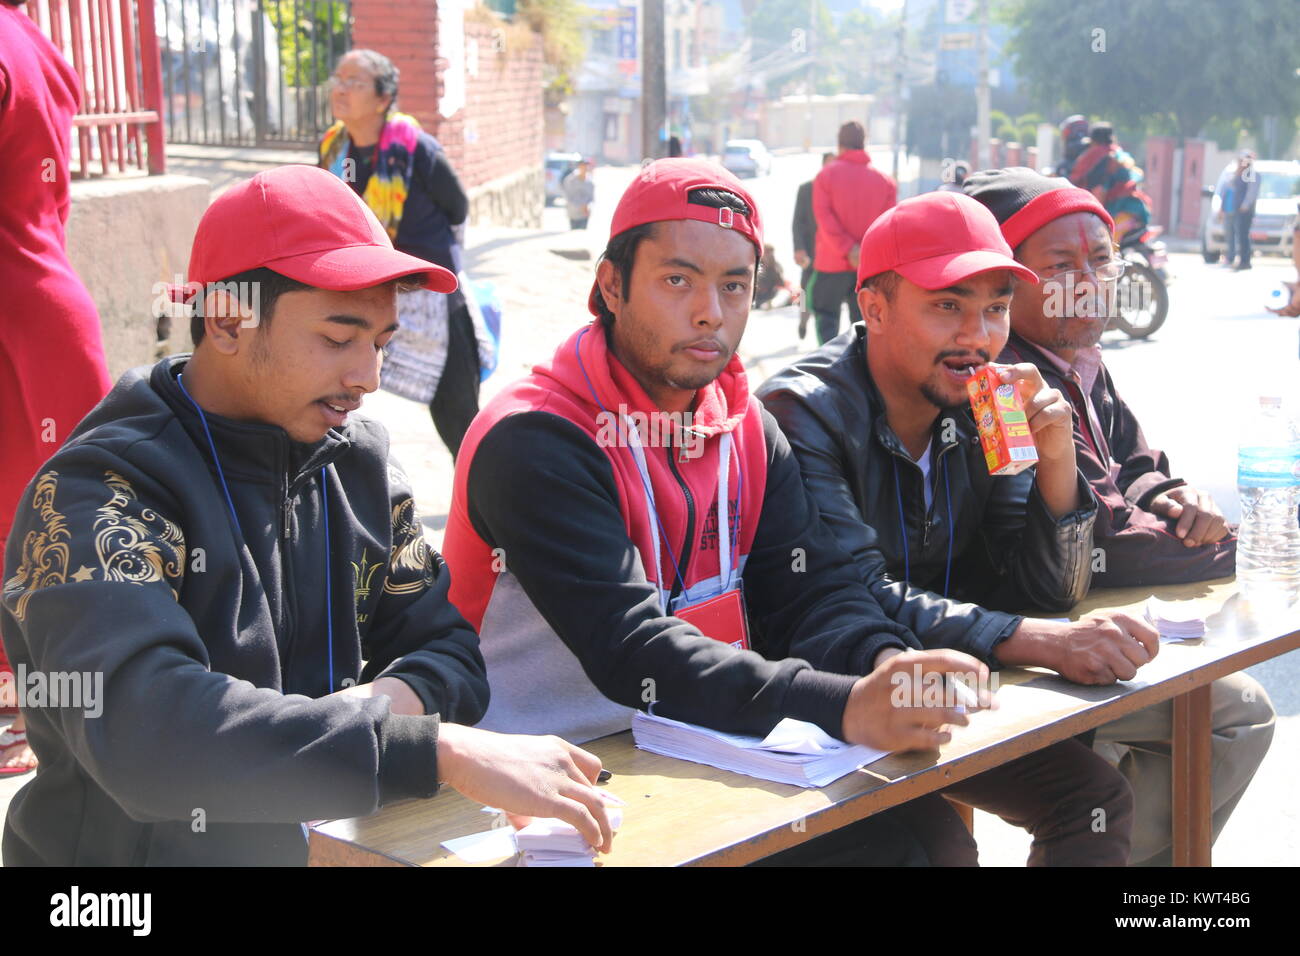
402 174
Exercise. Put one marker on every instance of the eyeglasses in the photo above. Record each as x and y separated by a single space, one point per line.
354 85
1108 271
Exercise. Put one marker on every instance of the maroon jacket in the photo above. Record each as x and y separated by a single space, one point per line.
848 194
1136 546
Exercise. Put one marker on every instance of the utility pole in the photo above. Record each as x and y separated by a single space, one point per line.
808 79
983 121
654 88
898 88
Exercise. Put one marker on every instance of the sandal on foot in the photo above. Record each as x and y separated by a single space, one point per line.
11 738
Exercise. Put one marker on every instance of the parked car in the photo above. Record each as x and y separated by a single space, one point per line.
746 157
558 165
1275 211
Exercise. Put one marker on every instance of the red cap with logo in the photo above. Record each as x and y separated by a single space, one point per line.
306 224
661 193
935 240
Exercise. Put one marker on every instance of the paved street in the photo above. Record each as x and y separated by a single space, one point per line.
1190 385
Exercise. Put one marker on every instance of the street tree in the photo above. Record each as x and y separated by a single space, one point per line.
1191 61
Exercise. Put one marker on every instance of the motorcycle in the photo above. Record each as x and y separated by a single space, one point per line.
1142 293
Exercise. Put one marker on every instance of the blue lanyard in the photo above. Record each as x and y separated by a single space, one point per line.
734 538
325 510
902 525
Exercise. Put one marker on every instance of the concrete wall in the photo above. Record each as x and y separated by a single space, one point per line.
124 236
509 201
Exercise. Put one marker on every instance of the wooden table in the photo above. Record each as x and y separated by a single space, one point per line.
682 813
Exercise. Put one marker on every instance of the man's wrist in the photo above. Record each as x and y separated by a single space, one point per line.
450 753
1058 484
1034 643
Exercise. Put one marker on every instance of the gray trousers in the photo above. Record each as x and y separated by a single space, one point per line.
1241 728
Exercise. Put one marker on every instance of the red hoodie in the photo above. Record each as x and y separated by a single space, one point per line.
551 548
848 194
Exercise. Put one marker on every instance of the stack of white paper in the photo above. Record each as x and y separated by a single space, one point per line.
1175 620
551 842
795 752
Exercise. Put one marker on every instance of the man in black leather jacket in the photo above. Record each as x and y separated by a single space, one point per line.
888 447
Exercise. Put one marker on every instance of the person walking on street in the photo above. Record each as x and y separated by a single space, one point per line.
1227 213
404 177
1245 192
579 193
848 194
804 227
52 368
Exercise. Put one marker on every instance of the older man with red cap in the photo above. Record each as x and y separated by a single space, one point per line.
224 577
1154 528
629 528
880 422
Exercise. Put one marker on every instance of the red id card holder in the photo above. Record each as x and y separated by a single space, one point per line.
721 618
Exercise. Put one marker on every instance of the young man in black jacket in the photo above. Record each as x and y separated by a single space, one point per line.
887 444
226 578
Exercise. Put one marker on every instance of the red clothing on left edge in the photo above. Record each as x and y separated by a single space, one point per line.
52 369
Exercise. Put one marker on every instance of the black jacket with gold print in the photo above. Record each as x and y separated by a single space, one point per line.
174 660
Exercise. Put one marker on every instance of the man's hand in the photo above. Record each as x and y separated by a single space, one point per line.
854 253
1051 419
526 777
1292 308
1051 422
1099 649
885 708
1199 520
801 258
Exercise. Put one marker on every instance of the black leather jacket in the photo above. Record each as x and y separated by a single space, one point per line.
1007 551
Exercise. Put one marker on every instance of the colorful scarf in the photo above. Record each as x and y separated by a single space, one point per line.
390 180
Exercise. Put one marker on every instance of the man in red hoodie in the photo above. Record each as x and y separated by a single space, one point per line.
601 500
848 194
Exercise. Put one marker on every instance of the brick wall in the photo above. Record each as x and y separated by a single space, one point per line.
500 129
405 31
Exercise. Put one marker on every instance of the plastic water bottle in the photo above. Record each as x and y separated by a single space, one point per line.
1268 481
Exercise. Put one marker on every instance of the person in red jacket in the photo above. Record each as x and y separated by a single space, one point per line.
52 369
603 500
848 194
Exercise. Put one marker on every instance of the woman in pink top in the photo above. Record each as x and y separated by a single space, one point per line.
52 369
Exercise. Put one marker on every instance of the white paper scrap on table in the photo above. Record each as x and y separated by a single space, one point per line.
1176 620
491 844
800 737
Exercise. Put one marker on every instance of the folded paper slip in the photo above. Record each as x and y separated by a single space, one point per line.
1175 620
795 752
551 842
549 835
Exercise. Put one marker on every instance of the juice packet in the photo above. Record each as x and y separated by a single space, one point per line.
1004 430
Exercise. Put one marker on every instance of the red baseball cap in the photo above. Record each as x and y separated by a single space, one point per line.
306 224
935 240
660 193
